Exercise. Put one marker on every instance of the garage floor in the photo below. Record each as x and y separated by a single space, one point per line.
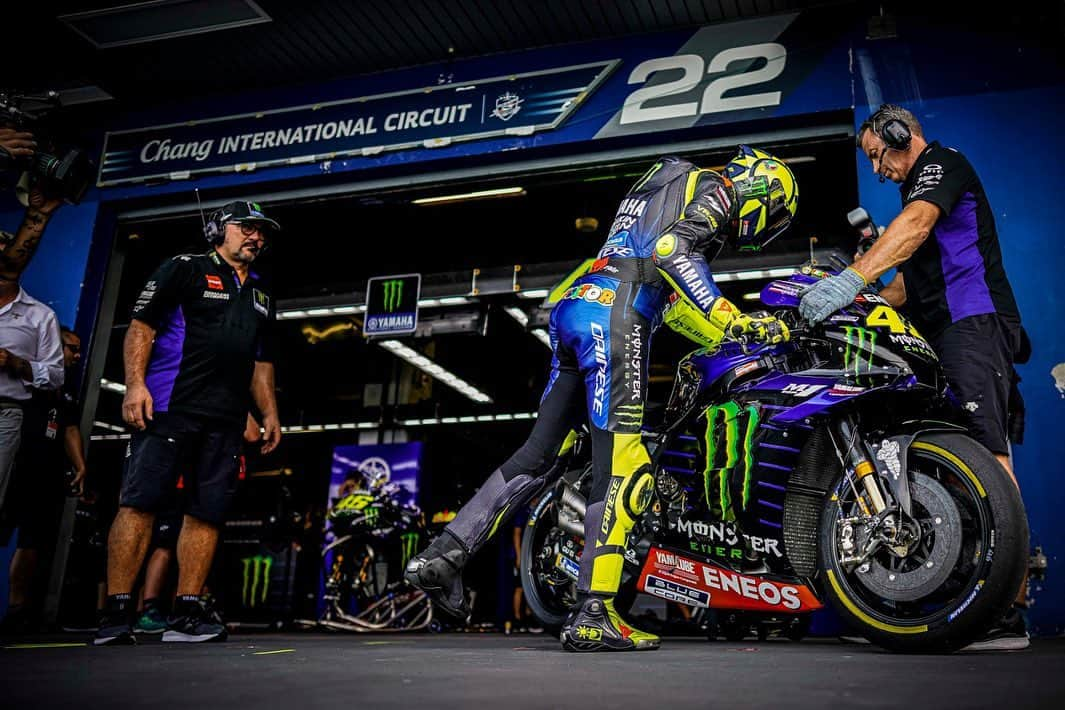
308 671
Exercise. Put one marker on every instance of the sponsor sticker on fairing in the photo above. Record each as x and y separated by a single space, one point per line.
676 592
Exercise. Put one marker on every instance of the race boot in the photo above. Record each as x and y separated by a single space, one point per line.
438 573
595 625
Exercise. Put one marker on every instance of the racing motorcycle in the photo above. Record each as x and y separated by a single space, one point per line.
374 534
822 470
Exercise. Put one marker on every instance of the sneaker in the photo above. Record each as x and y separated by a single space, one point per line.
115 630
441 579
194 627
595 625
151 621
1009 634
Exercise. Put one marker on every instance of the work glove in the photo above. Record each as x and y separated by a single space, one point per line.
822 299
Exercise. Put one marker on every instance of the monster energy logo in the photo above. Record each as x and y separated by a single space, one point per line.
860 342
371 515
256 569
716 478
629 414
409 542
393 289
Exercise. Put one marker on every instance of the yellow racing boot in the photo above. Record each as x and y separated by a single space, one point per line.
595 625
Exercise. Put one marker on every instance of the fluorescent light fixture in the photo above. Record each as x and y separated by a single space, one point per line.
543 336
296 313
426 365
137 22
478 195
754 274
108 427
752 296
535 293
518 315
112 386
428 302
454 301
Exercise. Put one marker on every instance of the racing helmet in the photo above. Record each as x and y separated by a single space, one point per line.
767 197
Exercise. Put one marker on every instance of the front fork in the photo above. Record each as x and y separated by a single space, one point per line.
851 447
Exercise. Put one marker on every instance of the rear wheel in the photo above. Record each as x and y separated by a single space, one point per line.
961 565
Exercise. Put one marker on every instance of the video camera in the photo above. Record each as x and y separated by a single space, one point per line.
60 170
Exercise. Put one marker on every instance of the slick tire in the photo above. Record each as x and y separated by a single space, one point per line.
996 563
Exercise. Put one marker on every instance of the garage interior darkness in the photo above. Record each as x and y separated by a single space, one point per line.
328 373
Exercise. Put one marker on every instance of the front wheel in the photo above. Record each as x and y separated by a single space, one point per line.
956 569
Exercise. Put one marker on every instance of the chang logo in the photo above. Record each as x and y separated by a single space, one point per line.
507 106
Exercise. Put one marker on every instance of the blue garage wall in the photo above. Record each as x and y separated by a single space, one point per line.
1013 139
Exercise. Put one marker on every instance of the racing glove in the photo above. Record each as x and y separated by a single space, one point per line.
762 328
725 317
822 299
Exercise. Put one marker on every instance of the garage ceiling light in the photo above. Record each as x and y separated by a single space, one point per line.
478 195
112 386
434 370
135 23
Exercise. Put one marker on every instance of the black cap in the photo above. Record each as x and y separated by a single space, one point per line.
241 211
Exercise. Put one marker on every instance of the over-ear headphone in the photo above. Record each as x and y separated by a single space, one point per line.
214 227
894 131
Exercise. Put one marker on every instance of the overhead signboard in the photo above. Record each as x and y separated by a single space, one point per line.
392 305
431 116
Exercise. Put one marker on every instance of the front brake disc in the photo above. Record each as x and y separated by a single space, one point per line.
928 567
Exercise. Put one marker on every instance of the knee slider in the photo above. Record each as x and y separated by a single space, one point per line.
638 491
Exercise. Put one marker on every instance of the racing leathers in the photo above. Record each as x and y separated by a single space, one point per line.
652 268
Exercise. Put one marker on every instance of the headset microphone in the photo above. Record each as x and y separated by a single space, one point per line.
199 204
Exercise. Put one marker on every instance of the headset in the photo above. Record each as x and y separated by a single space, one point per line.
894 132
214 225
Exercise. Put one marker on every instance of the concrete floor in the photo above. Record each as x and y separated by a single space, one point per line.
313 670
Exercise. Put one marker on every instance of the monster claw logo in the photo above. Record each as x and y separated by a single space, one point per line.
410 544
860 342
717 473
393 294
256 580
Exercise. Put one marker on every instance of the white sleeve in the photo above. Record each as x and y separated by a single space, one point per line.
48 367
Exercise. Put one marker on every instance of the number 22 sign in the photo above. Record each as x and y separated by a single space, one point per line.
713 100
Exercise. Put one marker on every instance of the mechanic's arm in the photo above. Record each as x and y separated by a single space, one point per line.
262 391
899 241
895 292
137 405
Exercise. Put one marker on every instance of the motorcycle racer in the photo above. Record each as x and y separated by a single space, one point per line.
653 268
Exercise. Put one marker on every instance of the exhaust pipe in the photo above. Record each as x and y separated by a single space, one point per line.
572 499
571 512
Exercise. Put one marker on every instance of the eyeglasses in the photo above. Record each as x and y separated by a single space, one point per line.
74 347
250 228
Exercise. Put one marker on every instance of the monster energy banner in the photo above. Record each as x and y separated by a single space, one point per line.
392 304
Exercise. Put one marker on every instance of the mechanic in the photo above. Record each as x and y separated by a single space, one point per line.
653 267
951 281
188 394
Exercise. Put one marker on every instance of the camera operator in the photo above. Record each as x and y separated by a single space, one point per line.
15 254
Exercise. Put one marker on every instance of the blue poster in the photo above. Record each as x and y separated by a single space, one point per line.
367 467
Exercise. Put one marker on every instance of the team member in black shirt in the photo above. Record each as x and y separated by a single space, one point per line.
950 279
199 349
